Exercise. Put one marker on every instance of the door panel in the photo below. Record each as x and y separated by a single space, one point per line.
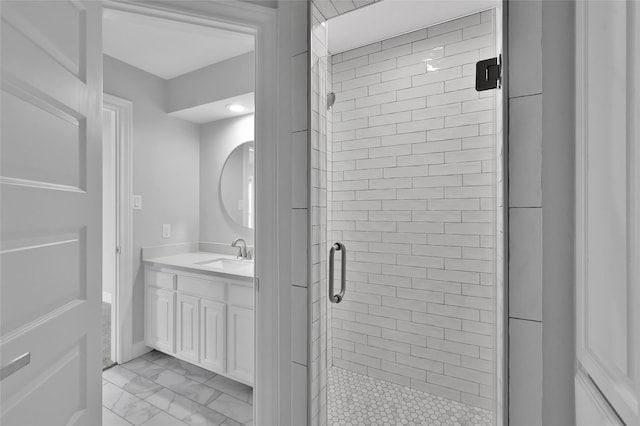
213 333
607 224
188 330
159 319
51 211
240 344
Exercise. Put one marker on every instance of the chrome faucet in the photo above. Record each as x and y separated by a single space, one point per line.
242 250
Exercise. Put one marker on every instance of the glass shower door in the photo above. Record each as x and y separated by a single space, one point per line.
406 184
319 313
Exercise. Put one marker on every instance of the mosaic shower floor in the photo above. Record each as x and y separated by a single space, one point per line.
356 400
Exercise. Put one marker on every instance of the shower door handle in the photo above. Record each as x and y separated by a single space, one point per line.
337 298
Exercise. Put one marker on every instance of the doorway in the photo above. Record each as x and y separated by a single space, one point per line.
408 221
176 126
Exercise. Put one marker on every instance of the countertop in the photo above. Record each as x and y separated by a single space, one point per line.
189 262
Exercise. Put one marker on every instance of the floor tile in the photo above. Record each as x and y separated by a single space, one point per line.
355 399
234 408
163 419
126 405
154 356
109 418
186 387
131 382
190 371
185 409
144 368
157 389
233 388
118 376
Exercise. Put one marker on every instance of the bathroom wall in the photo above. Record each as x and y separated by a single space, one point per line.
166 166
222 80
217 140
413 199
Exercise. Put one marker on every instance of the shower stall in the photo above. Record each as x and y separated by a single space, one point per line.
406 230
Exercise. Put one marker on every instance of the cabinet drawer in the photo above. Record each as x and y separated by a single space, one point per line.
202 287
160 279
241 295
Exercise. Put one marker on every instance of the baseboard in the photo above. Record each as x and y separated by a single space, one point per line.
107 297
139 349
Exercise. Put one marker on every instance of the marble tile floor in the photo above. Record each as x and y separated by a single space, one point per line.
355 399
159 390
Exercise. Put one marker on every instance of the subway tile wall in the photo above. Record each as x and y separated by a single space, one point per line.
412 194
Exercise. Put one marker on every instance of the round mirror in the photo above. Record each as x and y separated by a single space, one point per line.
237 186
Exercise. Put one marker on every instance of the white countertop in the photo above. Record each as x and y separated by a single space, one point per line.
197 262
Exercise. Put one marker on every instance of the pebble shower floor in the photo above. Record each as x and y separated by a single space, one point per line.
356 400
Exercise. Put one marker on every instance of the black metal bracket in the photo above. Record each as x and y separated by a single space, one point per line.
488 74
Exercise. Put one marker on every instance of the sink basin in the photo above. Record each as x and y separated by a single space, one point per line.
231 266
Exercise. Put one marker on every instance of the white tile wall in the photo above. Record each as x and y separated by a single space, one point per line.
411 194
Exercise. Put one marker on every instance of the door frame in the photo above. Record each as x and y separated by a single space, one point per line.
121 319
260 22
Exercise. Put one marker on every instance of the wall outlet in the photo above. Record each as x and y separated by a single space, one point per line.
166 230
137 202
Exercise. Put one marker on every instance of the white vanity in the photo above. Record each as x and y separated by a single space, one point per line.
199 308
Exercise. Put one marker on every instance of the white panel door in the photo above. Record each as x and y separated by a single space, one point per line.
608 210
212 335
240 344
159 319
51 188
187 327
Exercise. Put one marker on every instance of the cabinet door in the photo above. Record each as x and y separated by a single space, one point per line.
212 335
240 344
159 321
187 325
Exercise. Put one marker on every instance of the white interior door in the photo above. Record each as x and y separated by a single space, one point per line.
607 213
51 213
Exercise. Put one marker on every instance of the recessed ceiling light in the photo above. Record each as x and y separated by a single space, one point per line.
235 107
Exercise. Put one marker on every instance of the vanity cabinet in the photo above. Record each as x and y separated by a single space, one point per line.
187 327
240 344
159 319
202 319
212 335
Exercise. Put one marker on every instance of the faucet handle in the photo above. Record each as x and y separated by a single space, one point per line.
249 254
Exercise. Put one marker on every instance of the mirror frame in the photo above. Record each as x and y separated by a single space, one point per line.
224 209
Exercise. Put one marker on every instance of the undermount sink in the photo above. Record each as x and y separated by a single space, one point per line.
230 265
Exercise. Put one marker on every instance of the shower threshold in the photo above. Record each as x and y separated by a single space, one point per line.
355 399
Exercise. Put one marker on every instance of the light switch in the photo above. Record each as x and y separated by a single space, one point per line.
137 202
166 230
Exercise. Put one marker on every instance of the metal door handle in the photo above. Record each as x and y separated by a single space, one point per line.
15 365
337 298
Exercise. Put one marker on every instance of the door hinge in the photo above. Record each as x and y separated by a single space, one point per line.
488 74
257 281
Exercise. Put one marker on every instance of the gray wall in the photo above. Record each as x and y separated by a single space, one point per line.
165 170
541 212
218 140
222 80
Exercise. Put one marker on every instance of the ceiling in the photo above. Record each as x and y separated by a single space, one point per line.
168 48
216 110
389 18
